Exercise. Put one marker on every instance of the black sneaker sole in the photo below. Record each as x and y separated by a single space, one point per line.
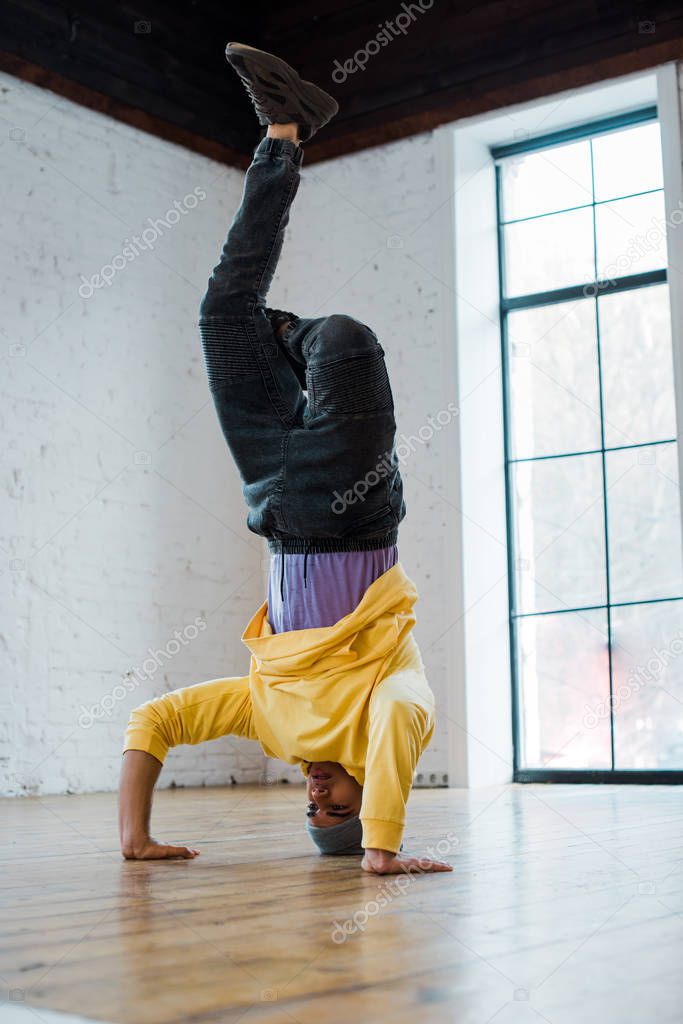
306 104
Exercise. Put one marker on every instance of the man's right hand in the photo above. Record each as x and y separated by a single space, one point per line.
384 862
150 849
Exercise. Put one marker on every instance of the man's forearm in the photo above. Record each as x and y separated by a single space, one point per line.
139 774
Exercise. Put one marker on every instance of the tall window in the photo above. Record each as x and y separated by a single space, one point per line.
596 592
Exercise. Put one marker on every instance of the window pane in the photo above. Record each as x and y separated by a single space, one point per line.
593 208
647 672
628 236
551 252
644 511
544 182
637 366
563 676
554 383
628 161
559 533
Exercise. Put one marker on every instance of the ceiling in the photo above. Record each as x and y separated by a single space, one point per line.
160 65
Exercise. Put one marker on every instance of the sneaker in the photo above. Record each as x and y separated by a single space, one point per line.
278 94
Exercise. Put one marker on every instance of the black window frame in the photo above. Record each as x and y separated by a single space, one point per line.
598 288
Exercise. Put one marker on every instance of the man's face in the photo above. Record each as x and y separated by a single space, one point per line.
333 795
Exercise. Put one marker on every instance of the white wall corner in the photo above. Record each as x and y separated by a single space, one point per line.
671 126
479 693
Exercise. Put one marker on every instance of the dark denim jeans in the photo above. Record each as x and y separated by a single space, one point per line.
319 470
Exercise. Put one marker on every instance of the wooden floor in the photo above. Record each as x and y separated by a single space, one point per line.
566 906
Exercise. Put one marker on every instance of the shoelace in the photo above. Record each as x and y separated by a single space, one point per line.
282 568
306 554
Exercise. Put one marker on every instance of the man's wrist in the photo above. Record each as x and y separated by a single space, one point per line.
380 856
133 843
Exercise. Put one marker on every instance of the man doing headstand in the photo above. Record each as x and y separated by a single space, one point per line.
336 681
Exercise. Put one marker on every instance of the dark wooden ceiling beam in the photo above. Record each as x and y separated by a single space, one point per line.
458 58
120 111
424 63
135 70
426 113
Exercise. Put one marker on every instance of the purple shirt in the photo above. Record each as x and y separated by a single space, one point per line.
335 584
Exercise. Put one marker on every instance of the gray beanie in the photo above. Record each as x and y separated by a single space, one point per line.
343 839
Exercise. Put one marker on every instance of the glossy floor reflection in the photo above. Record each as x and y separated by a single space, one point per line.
566 904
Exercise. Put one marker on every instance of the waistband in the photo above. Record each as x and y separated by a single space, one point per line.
320 545
281 147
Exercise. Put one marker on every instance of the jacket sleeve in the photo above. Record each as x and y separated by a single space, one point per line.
192 715
401 724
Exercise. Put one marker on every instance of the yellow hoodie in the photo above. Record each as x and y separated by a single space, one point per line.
354 693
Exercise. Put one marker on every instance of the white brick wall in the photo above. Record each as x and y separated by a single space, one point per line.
103 556
106 551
